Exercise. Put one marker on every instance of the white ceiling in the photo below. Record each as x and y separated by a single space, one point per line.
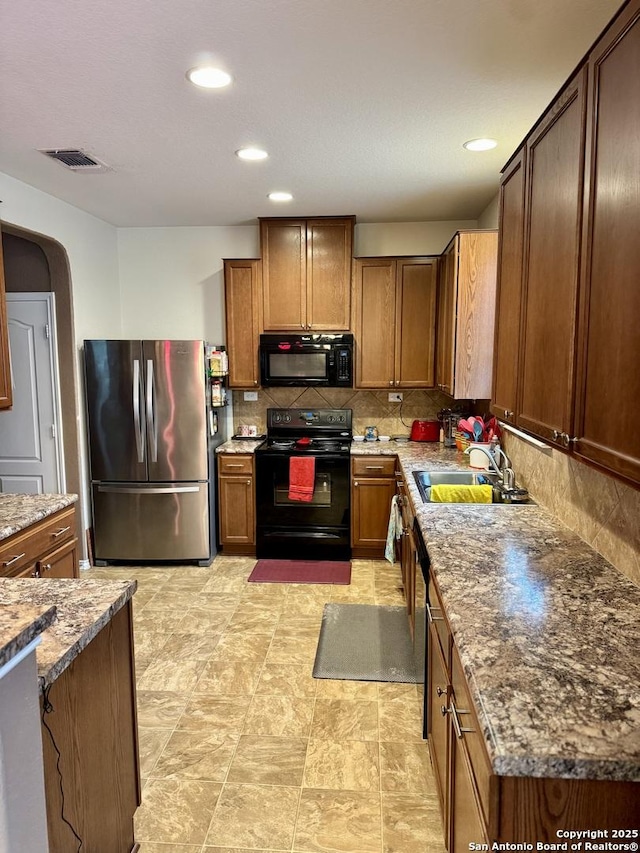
363 105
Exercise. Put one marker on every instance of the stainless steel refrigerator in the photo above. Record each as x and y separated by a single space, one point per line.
152 439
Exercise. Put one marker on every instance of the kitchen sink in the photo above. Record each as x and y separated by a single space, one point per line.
426 479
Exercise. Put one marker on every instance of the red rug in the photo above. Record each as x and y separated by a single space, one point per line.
301 571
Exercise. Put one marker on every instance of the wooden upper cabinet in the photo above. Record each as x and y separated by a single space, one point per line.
306 273
608 399
466 313
394 322
242 318
555 174
6 396
509 290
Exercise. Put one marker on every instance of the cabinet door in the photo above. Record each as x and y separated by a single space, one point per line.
61 563
329 250
609 379
236 507
242 308
370 507
554 200
416 282
437 724
447 296
6 397
284 273
475 309
509 296
29 572
375 322
466 824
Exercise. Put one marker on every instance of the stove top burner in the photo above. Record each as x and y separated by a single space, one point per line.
305 431
314 445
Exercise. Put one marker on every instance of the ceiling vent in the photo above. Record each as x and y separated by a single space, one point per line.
76 160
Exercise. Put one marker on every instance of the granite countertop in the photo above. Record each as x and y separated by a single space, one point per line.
20 511
83 608
19 626
239 445
547 632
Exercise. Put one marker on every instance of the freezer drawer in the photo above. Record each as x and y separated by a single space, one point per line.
151 521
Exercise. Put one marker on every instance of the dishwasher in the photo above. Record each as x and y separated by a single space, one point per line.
421 631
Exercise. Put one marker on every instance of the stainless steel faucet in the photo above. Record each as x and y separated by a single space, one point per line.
493 464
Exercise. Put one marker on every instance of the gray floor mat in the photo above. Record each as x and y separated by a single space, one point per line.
364 642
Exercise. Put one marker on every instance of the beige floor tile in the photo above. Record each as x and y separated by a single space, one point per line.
411 824
165 673
404 692
208 849
329 688
344 765
227 585
222 714
269 761
253 619
291 649
254 816
159 708
338 822
405 767
400 720
273 595
305 623
159 847
229 678
151 742
152 621
279 716
196 755
175 811
203 619
148 643
193 646
172 600
343 719
283 679
248 646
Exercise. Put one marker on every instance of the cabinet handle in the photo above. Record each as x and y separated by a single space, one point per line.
356 483
440 691
444 710
46 567
374 467
248 482
557 435
391 382
456 722
255 381
13 560
430 615
35 573
60 532
508 413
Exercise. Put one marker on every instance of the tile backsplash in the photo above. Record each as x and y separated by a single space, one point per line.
370 408
601 510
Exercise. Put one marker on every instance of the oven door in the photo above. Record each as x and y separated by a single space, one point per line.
318 529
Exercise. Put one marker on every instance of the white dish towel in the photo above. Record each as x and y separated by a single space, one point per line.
394 530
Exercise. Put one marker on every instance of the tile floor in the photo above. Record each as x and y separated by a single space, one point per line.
241 749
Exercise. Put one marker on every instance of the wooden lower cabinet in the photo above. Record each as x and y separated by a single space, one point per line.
93 722
236 504
478 806
48 548
373 485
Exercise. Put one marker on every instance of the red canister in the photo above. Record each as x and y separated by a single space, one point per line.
425 431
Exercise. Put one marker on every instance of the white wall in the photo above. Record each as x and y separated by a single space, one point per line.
406 238
489 216
171 279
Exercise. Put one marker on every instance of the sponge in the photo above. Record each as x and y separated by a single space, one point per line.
461 494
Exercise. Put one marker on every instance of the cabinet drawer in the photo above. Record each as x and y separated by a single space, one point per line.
373 466
232 463
471 740
24 548
435 615
60 563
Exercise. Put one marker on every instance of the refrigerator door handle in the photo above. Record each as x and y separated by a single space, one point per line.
137 422
152 422
160 490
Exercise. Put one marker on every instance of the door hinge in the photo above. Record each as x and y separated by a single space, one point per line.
47 331
54 432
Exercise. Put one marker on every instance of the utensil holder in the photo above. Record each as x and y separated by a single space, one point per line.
477 459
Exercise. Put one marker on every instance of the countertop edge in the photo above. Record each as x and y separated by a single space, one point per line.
44 506
28 632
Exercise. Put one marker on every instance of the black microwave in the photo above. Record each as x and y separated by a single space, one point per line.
325 360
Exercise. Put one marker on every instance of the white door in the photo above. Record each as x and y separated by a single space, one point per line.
31 432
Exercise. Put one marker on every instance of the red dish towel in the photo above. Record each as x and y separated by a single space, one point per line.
302 478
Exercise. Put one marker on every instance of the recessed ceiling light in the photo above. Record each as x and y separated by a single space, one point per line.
208 77
278 196
251 154
480 144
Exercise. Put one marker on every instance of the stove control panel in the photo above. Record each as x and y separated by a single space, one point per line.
310 419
